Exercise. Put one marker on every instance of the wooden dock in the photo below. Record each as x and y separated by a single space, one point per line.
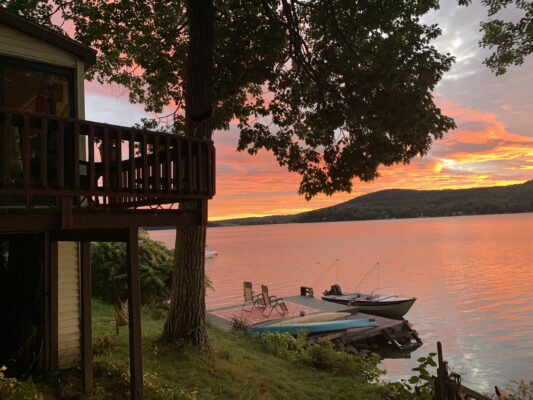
389 332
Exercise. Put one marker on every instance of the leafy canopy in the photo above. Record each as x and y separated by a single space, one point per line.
108 260
333 89
512 40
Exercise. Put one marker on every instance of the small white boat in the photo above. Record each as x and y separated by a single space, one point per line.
394 305
388 306
210 253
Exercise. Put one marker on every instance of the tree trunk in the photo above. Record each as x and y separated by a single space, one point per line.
186 317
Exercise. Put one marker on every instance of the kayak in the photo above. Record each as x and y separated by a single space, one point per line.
317 327
320 317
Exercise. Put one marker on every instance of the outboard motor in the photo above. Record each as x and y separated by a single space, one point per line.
335 290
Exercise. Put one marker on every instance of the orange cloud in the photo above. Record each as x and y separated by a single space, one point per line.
480 152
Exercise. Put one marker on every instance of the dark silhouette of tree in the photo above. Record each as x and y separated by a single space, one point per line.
334 89
512 40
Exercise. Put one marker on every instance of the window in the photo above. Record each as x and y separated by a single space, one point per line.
37 88
33 87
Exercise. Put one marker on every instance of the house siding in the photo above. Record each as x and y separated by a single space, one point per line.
68 293
20 45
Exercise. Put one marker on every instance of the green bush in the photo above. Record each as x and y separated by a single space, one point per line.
108 259
321 355
283 344
13 389
105 345
523 390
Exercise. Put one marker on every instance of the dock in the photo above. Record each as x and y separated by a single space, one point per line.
398 334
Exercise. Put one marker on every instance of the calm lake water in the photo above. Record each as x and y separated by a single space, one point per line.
473 277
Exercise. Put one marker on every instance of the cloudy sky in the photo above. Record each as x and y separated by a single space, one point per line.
492 145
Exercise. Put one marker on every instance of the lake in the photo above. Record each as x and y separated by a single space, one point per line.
473 277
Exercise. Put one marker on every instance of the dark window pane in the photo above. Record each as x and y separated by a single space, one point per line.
36 91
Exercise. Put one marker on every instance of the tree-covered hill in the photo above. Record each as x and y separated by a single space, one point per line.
401 203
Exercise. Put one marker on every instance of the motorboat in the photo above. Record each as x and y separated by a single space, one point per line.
393 306
210 253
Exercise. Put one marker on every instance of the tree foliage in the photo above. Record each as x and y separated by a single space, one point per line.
512 40
333 89
108 259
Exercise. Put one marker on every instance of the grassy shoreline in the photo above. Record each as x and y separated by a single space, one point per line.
238 368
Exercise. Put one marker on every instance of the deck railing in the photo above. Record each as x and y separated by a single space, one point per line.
44 158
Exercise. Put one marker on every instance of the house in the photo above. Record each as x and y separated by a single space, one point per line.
65 182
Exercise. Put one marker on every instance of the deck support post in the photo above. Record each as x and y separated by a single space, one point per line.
202 210
53 304
134 304
86 325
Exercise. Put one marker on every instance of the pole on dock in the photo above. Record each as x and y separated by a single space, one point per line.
441 374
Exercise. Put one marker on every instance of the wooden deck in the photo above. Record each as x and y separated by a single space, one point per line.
397 333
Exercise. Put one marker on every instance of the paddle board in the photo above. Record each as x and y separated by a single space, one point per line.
321 317
317 327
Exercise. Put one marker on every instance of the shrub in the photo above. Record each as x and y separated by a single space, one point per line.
417 387
322 355
239 325
523 390
108 259
283 344
105 345
13 389
421 385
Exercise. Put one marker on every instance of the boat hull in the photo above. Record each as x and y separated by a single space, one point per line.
210 253
387 308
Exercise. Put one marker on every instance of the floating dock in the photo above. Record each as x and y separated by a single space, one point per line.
389 332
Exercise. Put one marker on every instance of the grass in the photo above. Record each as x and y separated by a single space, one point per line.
238 368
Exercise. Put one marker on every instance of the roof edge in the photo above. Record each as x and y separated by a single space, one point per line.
47 35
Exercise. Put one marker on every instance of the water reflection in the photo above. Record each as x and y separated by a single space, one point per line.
473 277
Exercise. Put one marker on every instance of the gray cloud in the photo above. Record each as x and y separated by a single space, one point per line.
462 147
470 82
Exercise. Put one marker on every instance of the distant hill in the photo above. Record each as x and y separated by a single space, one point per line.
401 203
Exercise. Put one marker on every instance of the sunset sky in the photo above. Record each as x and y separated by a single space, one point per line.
492 145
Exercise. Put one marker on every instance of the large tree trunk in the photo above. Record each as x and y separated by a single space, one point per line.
186 317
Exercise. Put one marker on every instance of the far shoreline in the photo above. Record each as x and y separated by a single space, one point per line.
221 224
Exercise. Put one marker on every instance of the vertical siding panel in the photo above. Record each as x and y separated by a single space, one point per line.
68 293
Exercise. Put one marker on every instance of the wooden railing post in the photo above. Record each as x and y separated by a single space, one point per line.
76 156
92 171
178 169
190 176
44 152
144 155
168 165
105 157
61 155
132 160
6 151
26 152
157 166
